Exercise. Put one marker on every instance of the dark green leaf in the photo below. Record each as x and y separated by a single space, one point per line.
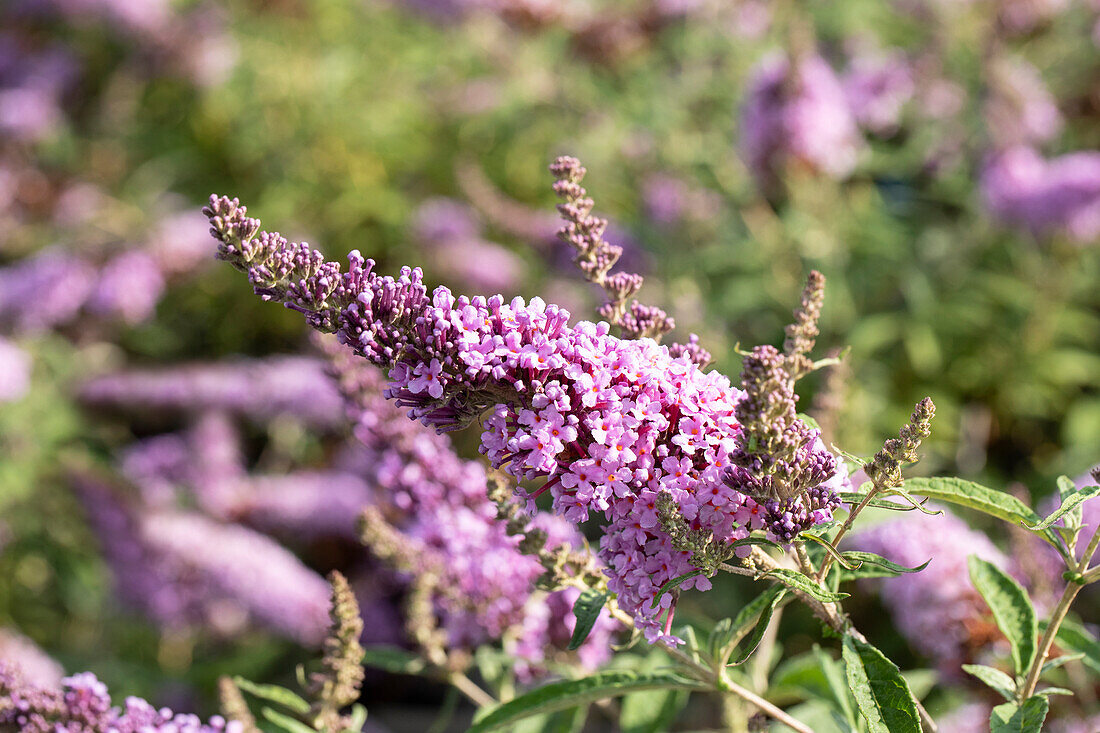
982 498
273 693
358 718
287 723
1070 503
799 582
651 712
761 541
880 691
854 498
769 598
671 584
565 694
830 549
880 565
1011 608
835 677
995 679
587 609
1076 638
564 721
393 659
720 636
1058 662
1013 718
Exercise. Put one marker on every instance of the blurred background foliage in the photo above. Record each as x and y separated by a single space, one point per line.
336 120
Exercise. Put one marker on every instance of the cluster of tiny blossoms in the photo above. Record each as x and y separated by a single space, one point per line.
83 705
608 424
435 522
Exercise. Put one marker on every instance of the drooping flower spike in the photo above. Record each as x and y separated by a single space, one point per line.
607 424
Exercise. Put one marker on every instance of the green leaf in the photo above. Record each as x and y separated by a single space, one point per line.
273 693
651 712
808 420
393 659
880 691
855 498
761 541
358 718
1072 502
1048 691
719 637
565 694
829 549
1076 638
975 496
871 565
995 679
1011 609
564 721
287 723
671 584
1059 661
587 609
768 601
835 678
1013 718
799 582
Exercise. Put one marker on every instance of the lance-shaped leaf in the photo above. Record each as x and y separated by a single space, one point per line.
870 565
566 694
1059 661
393 659
881 693
761 541
1070 503
285 722
273 693
587 610
837 682
673 584
798 582
651 712
1011 609
984 499
828 546
1076 638
766 603
1013 718
995 679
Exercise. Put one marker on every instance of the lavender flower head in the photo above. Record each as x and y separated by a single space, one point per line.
183 569
937 609
607 424
459 250
1044 197
83 704
797 117
1020 110
44 291
129 287
877 87
23 655
258 390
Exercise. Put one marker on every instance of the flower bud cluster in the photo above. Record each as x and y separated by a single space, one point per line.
595 257
83 705
606 423
780 461
885 468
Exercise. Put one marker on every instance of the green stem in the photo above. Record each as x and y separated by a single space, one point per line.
1056 619
466 686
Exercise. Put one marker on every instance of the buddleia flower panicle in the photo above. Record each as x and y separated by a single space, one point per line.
605 423
82 704
338 682
885 468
